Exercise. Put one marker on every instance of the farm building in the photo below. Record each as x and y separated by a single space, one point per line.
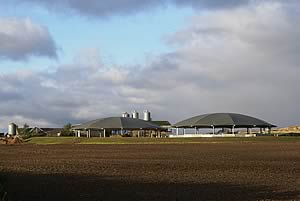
36 131
110 126
163 124
225 123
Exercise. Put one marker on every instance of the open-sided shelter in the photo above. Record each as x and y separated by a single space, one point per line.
116 124
223 120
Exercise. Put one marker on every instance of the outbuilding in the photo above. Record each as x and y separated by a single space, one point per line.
117 125
223 121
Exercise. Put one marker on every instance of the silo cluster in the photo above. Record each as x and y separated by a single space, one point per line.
135 115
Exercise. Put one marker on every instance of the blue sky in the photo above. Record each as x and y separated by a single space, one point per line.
120 40
73 61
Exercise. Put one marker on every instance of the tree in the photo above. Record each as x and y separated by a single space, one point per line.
25 130
25 125
67 130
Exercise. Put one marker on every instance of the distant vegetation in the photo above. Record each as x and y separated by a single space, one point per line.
67 130
287 131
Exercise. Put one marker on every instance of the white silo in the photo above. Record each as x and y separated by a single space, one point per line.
12 129
135 114
125 114
147 115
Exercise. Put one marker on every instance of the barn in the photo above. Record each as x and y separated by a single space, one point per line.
223 122
111 126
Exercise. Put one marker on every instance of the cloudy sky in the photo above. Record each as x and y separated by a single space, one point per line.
75 60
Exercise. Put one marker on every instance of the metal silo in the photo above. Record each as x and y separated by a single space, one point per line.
135 114
12 129
126 114
147 115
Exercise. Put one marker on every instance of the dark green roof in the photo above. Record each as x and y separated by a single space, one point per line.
118 123
161 123
223 120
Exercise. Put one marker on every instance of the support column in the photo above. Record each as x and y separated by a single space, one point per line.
196 131
184 131
270 130
78 133
233 129
177 131
213 129
104 133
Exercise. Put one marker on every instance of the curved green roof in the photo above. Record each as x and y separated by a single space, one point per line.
223 120
118 123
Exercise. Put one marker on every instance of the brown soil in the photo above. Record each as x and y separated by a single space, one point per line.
3 141
11 140
231 171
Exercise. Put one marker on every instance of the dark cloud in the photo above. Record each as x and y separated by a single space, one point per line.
21 39
212 3
94 7
101 8
124 7
10 96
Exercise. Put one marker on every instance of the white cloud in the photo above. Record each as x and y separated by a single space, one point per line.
21 38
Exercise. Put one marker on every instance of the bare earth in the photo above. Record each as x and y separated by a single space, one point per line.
221 171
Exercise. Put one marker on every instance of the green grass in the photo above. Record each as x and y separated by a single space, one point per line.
97 140
52 140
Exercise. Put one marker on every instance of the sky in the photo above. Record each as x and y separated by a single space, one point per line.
71 61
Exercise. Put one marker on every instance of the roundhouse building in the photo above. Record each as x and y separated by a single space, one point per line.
117 125
229 121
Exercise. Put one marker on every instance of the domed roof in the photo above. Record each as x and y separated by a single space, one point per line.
223 120
117 123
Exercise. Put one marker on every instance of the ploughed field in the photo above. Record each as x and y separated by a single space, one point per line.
207 171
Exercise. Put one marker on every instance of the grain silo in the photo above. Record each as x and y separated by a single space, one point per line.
125 114
147 115
12 129
135 114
